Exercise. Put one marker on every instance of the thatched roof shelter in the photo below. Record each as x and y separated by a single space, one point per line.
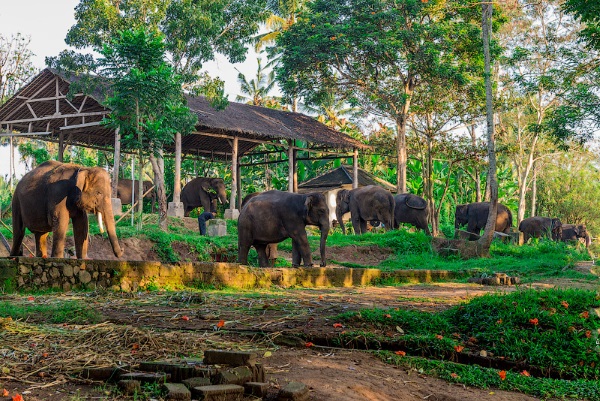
342 177
42 107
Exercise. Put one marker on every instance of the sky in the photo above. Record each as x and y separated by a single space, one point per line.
46 22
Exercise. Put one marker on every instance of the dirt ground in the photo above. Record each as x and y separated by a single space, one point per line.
275 323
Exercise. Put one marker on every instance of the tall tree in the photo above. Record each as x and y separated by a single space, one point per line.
147 102
544 61
16 68
376 53
256 90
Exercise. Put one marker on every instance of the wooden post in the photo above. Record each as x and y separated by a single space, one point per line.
291 164
355 169
116 163
239 184
177 187
61 146
295 171
234 172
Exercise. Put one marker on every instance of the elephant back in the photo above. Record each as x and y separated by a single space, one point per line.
415 202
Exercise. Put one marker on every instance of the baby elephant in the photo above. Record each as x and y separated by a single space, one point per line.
536 227
575 232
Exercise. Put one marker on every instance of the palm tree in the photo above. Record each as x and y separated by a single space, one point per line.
332 111
257 89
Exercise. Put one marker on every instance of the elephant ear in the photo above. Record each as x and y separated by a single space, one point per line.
205 185
414 202
307 205
343 196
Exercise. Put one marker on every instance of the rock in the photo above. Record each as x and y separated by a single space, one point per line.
232 358
219 392
294 391
196 382
177 391
129 387
84 277
256 389
238 375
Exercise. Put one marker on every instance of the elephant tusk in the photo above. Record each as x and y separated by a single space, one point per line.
100 223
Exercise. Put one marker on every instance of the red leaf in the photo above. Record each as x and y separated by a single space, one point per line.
502 374
30 298
186 318
17 397
534 321
458 348
221 323
4 392
454 375
401 353
309 344
585 314
338 325
525 373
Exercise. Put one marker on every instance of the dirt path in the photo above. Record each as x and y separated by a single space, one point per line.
268 320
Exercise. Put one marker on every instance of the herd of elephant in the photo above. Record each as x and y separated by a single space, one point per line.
50 195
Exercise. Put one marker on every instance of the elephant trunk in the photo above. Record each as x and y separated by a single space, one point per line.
111 228
339 217
324 233
222 196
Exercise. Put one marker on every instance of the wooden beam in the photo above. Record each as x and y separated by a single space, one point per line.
295 164
116 163
177 188
61 146
234 172
355 168
94 124
290 165
8 134
54 117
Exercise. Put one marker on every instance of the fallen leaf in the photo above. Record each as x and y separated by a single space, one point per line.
267 354
399 330
309 344
454 375
30 298
458 348
221 323
338 325
585 314
439 337
5 370
387 315
565 304
525 373
45 355
135 346
502 374
184 317
4 393
17 397
401 353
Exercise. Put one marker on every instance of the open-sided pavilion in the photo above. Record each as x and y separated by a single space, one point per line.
42 108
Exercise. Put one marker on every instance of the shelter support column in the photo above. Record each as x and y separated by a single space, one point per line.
291 165
355 168
175 208
232 212
239 184
115 201
61 147
295 170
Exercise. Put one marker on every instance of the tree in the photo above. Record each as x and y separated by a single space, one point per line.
257 89
543 63
377 53
16 68
147 102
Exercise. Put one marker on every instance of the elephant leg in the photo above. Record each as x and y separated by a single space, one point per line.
41 245
17 244
80 234
59 234
304 249
243 249
296 257
263 260
363 226
356 223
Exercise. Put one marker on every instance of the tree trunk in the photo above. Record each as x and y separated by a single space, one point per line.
475 168
485 241
429 186
533 191
158 167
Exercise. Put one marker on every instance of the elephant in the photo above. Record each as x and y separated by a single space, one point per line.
536 227
273 216
271 249
575 232
49 195
124 191
366 203
411 209
474 216
196 193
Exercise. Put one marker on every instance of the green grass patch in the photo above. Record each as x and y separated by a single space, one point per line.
555 332
477 376
73 312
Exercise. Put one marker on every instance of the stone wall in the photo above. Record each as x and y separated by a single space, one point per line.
25 274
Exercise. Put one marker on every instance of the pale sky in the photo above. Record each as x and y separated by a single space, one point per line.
46 22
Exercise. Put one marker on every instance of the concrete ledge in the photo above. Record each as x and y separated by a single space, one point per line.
37 273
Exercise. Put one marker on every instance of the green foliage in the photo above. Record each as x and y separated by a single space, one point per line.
554 331
73 312
477 376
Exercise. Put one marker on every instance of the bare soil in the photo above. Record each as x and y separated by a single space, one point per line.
277 323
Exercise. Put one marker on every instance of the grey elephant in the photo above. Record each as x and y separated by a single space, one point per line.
411 209
474 216
576 232
537 227
273 216
271 249
366 203
124 191
197 193
51 194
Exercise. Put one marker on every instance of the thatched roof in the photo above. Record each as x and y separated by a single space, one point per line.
339 177
41 105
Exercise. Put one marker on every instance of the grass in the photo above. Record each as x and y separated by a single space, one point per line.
73 312
554 332
477 376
